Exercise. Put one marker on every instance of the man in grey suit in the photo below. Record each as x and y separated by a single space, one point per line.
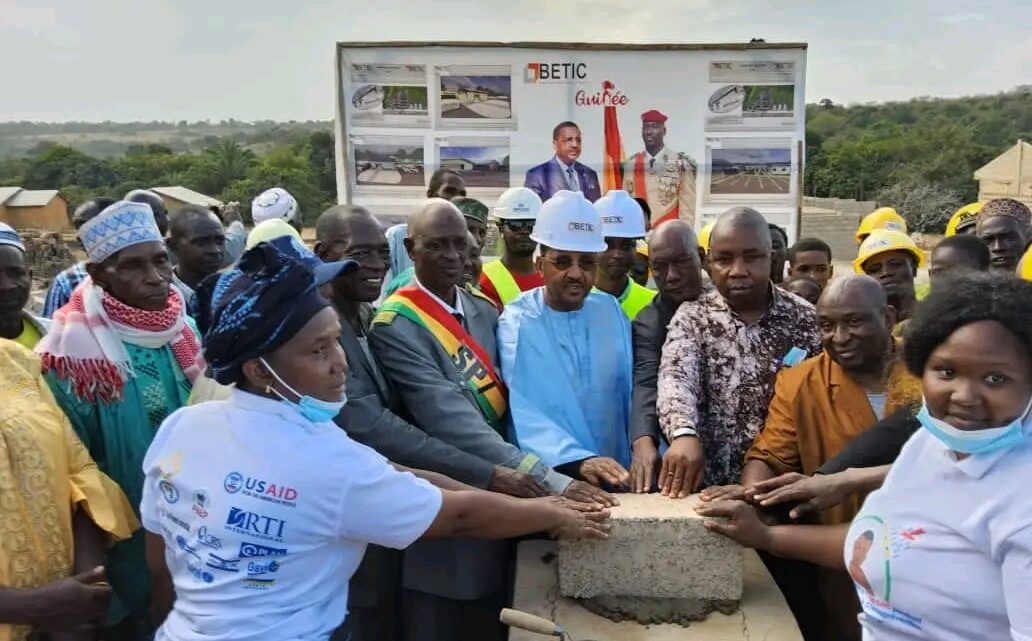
371 416
452 589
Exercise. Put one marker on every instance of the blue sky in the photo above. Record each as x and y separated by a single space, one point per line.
250 59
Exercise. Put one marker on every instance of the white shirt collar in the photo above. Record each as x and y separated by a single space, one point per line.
562 165
448 308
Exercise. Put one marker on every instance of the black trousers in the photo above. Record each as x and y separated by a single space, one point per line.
432 618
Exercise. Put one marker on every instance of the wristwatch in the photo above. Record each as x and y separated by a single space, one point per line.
683 431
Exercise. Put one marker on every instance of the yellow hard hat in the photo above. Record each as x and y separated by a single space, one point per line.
1025 266
642 248
270 230
881 241
963 217
704 234
881 218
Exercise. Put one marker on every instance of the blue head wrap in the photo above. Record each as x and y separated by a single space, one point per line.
400 260
263 302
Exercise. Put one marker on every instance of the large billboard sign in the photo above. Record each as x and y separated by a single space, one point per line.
692 129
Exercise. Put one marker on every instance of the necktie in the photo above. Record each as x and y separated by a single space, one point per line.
571 180
458 317
652 161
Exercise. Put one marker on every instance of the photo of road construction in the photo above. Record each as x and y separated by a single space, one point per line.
479 166
751 171
488 97
394 165
768 100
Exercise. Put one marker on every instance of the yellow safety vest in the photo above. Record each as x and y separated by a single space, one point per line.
502 281
635 298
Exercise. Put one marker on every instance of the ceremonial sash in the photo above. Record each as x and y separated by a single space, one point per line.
467 355
641 191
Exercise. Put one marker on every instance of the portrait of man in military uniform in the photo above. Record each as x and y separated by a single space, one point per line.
664 178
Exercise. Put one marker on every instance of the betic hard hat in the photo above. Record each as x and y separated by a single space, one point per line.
966 216
517 203
881 241
568 222
704 234
621 215
882 218
1025 265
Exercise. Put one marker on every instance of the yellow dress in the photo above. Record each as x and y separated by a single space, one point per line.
45 476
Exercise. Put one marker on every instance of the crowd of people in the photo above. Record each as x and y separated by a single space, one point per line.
212 433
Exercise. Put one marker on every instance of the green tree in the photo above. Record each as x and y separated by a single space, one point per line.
60 165
222 164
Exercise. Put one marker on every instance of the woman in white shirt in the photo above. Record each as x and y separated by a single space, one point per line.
259 508
944 549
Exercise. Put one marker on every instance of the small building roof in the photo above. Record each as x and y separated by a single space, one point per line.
7 192
1004 168
182 194
31 198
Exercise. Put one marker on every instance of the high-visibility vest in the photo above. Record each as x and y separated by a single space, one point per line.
635 298
502 281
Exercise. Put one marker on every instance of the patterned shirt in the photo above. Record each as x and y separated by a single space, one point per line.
62 287
717 373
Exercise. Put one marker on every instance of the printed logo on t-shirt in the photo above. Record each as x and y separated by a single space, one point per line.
260 489
200 573
208 539
200 503
258 568
870 549
168 491
259 584
218 563
186 547
165 514
253 524
254 550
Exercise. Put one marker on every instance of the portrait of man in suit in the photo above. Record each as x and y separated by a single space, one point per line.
563 171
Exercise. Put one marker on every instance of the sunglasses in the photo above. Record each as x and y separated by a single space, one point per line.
517 225
564 263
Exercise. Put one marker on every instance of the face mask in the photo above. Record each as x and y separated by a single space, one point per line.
985 441
311 408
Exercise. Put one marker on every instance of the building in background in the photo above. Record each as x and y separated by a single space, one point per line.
1009 175
44 209
176 197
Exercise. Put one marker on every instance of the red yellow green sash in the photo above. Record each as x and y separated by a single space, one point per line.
467 355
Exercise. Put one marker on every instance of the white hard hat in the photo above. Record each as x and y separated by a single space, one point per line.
517 203
621 216
274 203
567 221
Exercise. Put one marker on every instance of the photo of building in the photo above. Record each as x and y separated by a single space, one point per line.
745 171
480 166
768 100
393 165
486 97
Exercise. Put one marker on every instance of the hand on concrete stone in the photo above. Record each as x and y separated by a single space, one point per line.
603 471
508 481
683 467
587 493
723 493
813 493
644 463
743 523
579 524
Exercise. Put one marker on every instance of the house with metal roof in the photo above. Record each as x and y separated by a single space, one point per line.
44 209
178 196
1009 175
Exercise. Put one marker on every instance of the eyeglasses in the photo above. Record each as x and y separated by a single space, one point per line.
517 225
564 263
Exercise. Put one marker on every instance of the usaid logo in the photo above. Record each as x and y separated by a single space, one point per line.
235 482
254 524
556 72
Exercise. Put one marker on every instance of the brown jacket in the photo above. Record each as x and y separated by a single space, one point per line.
816 410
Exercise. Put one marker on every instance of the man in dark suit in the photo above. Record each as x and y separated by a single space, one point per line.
371 417
563 171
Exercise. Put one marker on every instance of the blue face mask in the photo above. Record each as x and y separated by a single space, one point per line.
975 442
313 409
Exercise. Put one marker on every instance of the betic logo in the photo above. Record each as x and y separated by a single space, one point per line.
260 489
556 72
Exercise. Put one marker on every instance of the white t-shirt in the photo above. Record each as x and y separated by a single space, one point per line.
266 516
944 549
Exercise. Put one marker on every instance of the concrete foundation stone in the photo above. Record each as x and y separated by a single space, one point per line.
658 549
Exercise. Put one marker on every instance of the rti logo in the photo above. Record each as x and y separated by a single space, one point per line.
254 524
556 72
